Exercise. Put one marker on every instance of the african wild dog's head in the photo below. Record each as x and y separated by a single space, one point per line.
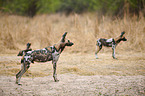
121 37
63 42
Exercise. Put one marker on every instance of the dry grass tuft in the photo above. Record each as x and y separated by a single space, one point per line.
84 30
13 72
128 64
9 71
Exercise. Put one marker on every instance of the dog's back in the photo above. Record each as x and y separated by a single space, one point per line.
40 55
105 42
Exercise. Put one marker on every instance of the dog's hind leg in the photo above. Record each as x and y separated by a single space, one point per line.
113 51
98 48
18 74
97 51
24 68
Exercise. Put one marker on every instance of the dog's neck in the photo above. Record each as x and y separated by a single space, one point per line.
59 47
117 40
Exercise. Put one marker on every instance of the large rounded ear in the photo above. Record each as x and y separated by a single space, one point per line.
122 33
28 45
63 37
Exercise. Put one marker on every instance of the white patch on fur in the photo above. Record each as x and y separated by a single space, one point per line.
55 56
98 41
29 52
45 50
26 57
109 40
21 66
96 56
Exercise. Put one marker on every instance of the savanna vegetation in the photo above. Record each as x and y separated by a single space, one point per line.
109 7
42 23
85 20
84 30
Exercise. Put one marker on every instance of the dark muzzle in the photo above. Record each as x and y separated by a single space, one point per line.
124 39
69 44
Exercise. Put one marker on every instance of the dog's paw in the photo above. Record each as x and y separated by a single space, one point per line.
57 80
114 58
96 56
20 84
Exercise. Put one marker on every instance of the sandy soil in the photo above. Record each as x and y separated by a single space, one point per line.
74 85
79 75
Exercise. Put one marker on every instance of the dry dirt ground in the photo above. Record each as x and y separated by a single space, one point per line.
79 75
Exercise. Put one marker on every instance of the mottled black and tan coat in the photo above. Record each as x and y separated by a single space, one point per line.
112 42
50 53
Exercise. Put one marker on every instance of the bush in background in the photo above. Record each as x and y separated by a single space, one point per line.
105 7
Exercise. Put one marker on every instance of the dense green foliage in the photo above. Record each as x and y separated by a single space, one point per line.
106 7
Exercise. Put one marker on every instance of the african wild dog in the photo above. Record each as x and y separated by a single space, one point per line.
50 53
109 43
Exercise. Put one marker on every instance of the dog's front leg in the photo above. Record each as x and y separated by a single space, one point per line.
113 52
98 48
54 62
54 72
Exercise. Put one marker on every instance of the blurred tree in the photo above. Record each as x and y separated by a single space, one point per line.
135 6
48 6
32 8
21 7
105 7
77 6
